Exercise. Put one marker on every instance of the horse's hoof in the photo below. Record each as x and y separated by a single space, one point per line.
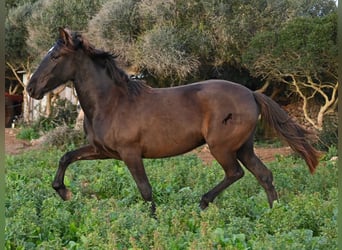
65 194
68 195
203 205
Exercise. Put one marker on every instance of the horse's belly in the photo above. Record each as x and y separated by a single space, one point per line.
166 146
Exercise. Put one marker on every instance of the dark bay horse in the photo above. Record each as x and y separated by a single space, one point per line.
127 120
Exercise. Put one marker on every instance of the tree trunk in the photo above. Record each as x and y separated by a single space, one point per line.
26 108
48 105
79 120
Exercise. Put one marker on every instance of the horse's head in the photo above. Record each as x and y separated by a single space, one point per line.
57 67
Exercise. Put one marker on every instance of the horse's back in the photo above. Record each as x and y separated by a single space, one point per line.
219 91
222 96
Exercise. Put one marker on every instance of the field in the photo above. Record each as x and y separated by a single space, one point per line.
107 212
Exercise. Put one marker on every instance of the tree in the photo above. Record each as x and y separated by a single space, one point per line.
176 40
16 52
116 27
48 16
16 30
303 55
42 25
172 40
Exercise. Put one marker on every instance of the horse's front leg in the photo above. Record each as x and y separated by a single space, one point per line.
83 153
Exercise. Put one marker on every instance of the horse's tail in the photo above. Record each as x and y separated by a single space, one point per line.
286 128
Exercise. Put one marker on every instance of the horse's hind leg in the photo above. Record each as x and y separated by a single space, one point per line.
84 153
136 167
233 172
265 177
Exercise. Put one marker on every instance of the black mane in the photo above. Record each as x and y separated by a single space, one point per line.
119 76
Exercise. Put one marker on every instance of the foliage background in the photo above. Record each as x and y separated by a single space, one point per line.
171 40
286 49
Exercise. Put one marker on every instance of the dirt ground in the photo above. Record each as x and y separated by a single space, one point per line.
265 154
14 146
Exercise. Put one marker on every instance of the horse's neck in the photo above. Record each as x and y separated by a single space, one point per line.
95 90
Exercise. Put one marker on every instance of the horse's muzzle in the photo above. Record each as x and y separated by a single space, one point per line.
33 92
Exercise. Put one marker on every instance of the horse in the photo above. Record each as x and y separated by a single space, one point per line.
127 120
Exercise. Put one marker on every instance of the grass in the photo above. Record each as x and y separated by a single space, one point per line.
107 212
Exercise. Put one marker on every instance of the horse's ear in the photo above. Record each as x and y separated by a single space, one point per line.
64 34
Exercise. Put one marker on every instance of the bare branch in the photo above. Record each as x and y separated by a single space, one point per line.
264 87
14 71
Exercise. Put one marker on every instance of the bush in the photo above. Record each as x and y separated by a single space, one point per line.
63 112
28 134
64 138
329 135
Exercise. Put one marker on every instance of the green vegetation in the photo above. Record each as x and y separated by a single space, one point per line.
107 212
28 133
328 136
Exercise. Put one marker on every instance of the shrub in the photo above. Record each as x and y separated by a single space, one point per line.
64 137
63 112
329 135
27 134
63 116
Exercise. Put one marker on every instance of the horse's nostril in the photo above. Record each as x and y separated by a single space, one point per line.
29 90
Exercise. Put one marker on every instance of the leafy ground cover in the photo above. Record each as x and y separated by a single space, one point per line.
106 211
